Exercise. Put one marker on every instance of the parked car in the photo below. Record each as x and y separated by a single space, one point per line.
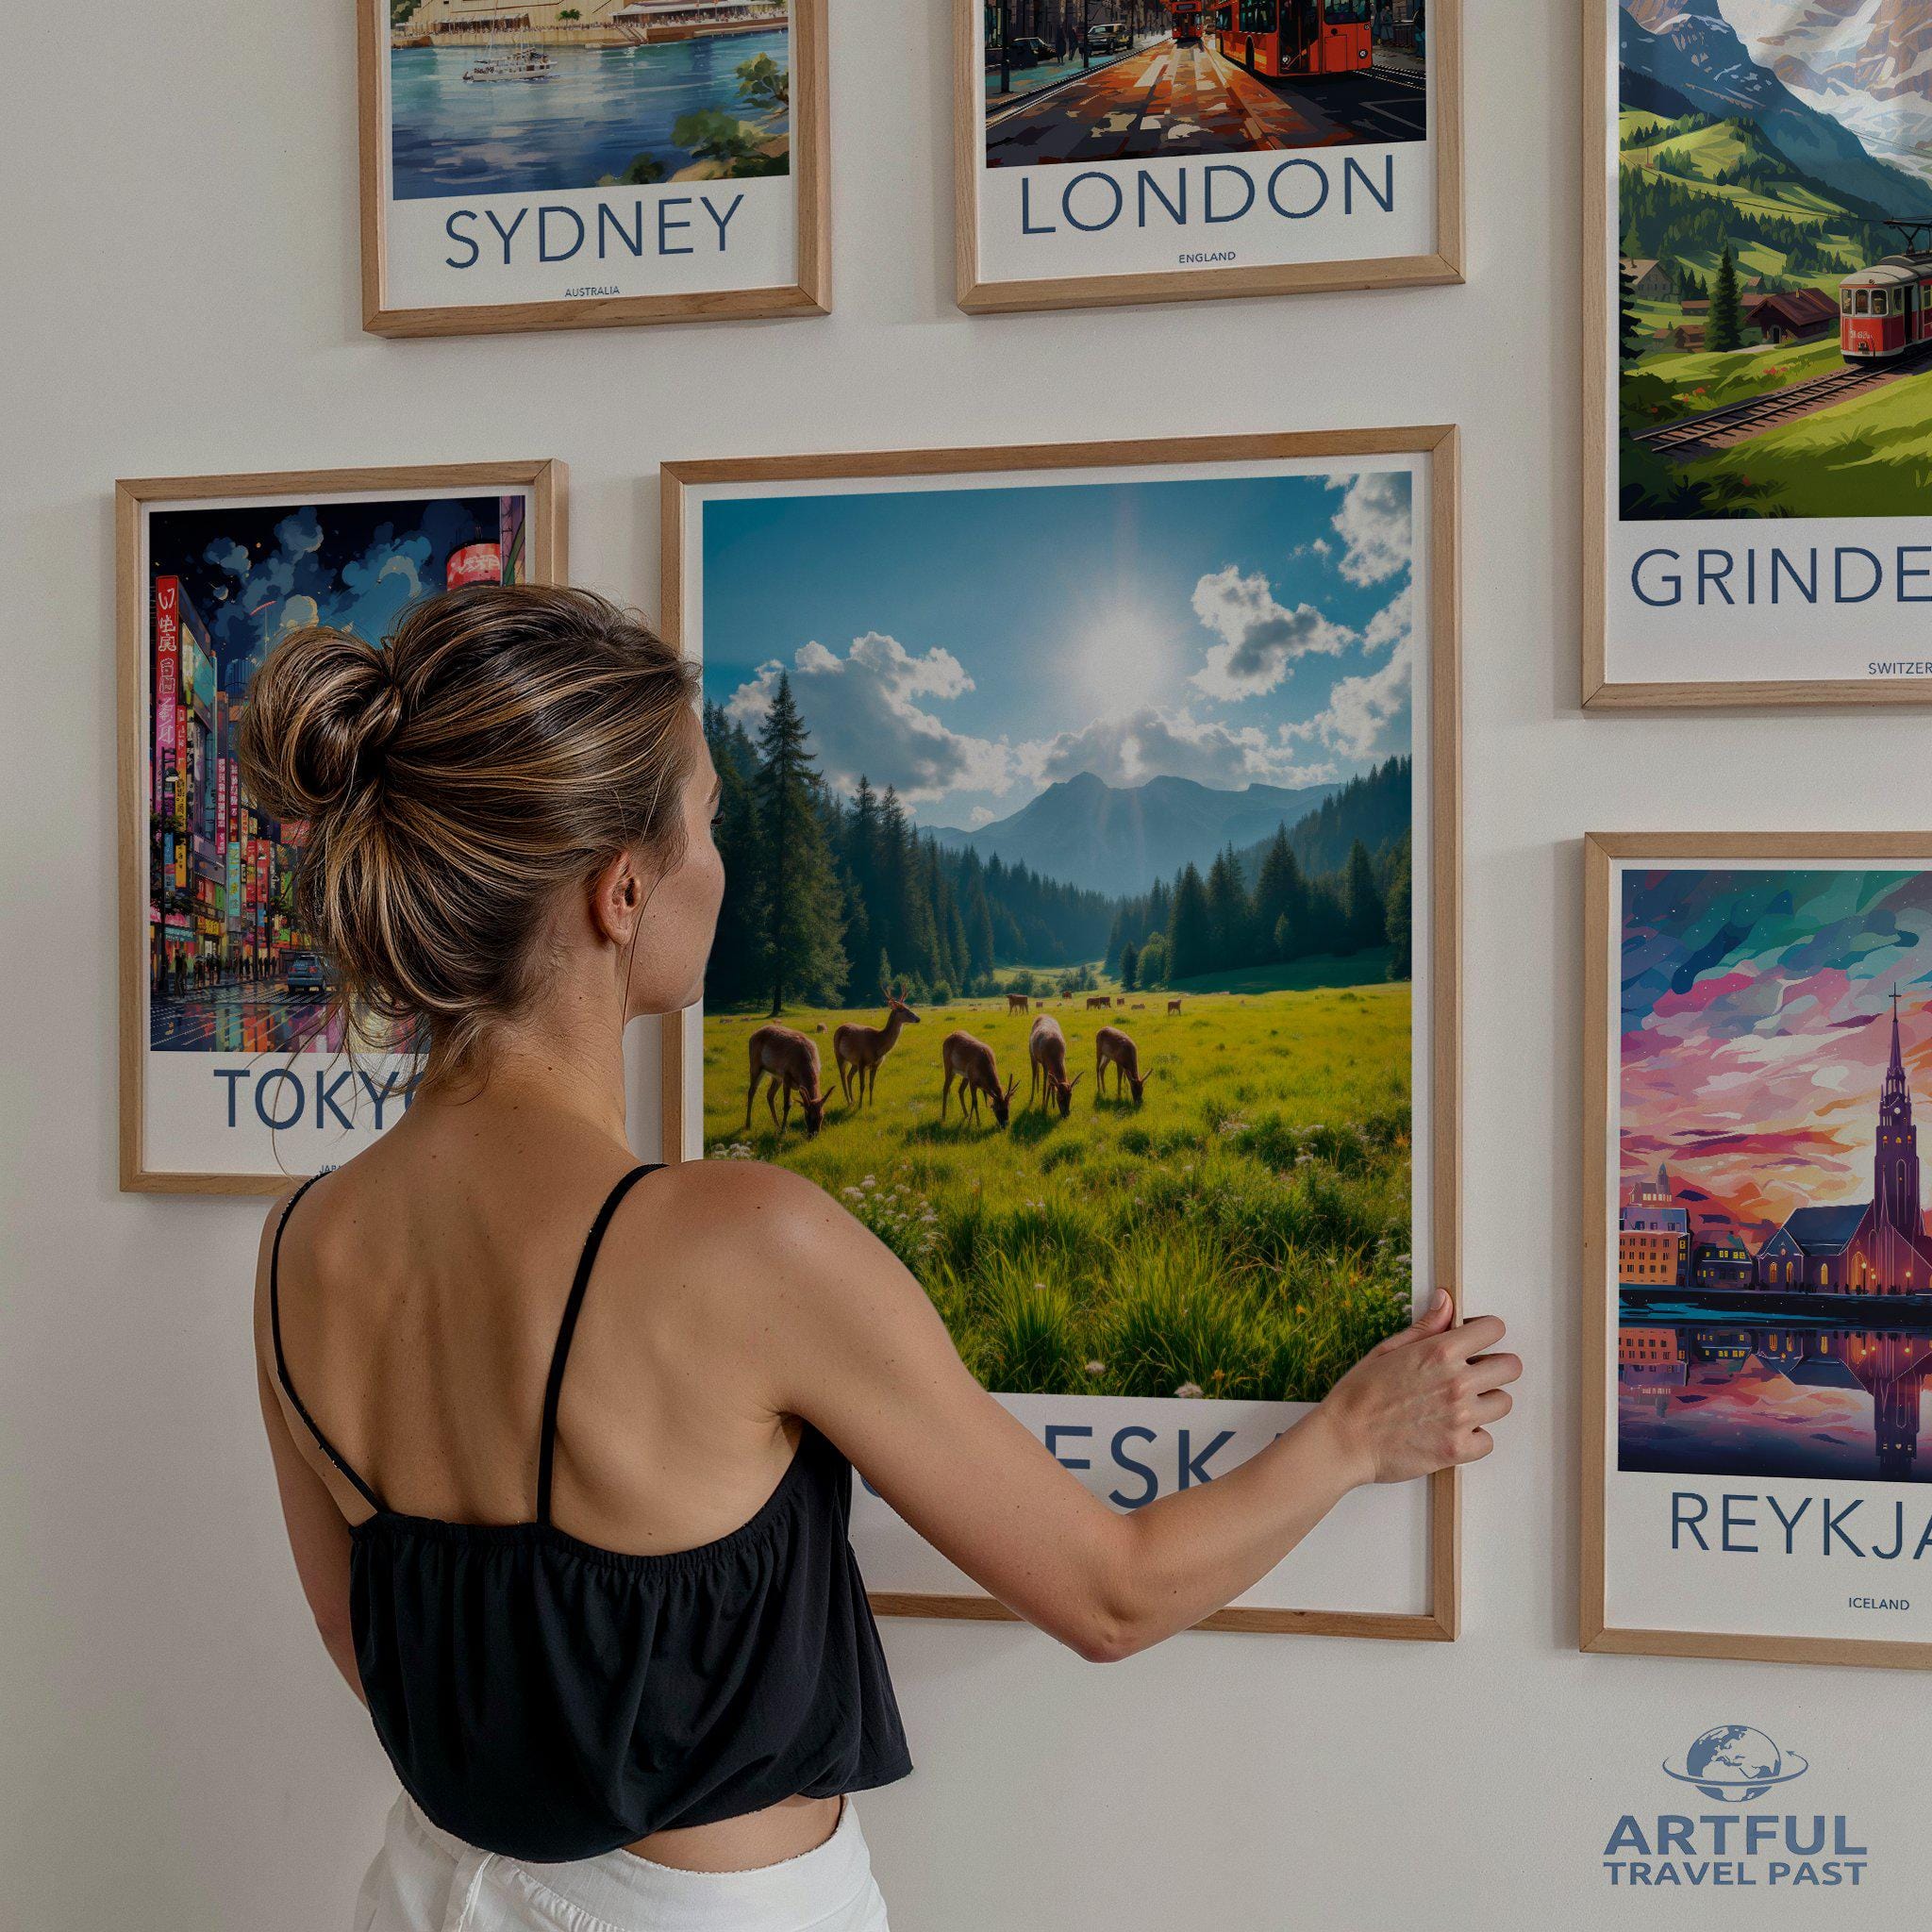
1028 50
307 973
1109 37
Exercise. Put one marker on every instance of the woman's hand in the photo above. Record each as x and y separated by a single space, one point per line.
1423 1400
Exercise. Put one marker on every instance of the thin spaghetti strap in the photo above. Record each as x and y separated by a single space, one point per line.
546 1441
275 1317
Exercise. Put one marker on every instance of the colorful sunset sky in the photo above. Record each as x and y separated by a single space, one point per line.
1754 1029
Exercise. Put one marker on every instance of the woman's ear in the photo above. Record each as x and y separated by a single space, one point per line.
617 899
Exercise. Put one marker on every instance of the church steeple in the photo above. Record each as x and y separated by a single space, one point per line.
1895 1166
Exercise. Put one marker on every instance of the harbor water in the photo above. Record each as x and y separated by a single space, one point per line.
596 113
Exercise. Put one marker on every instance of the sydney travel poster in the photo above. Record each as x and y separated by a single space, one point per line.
1176 134
242 1059
563 153
1070 924
1768 274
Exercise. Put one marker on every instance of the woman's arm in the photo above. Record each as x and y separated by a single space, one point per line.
317 1536
853 1344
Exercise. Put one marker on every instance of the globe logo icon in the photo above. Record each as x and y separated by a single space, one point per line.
1735 1764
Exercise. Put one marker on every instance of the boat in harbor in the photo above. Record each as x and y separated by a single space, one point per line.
520 63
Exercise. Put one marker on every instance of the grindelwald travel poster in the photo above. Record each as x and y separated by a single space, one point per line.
1760 244
1147 150
613 161
234 1074
1084 927
1764 1038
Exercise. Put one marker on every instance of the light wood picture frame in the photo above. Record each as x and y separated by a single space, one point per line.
1321 209
635 229
217 992
1701 1508
1788 597
882 483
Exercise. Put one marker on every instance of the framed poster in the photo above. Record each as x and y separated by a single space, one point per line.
615 162
1119 151
231 1081
1758 1263
1090 833
1758 298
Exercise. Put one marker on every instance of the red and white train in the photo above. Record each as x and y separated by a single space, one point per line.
1885 311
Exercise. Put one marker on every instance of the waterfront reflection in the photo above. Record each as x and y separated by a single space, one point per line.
1793 1389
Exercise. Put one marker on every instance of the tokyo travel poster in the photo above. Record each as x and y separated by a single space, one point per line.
243 1064
1075 910
1140 149
1765 1241
613 160
1766 279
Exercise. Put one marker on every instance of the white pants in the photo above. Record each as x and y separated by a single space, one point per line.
424 1880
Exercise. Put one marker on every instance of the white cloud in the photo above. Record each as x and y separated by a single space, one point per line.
979 815
1360 708
1374 525
863 713
1392 622
1150 743
1259 638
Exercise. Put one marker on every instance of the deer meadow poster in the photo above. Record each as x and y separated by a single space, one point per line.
1077 829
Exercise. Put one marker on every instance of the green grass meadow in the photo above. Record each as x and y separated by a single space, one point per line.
1244 1232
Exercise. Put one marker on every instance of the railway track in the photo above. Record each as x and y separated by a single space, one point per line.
1759 412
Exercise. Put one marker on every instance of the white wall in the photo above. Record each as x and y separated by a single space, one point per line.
180 295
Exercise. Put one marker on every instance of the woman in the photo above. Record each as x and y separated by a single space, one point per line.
606 1621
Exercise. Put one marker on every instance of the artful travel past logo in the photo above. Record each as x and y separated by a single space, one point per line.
1734 1764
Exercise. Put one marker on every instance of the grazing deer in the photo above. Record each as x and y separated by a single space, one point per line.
1174 1005
970 1062
1115 1049
1046 1051
1104 1000
1016 1003
858 1049
791 1060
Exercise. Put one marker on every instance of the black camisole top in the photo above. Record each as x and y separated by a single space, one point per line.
549 1700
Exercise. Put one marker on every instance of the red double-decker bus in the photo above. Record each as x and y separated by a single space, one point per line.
1298 37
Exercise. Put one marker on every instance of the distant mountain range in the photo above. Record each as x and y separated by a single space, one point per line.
1678 54
1120 840
1866 63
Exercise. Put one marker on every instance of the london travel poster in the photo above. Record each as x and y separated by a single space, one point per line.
570 160
1222 147
1766 263
1769 1466
243 1068
1076 934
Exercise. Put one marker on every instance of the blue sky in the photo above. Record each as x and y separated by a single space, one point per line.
973 645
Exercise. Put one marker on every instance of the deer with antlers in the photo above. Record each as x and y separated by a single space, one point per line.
792 1061
1046 1053
971 1062
1016 1003
1115 1049
858 1050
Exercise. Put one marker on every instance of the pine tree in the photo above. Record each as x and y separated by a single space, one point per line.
1228 912
1400 917
1280 894
1362 902
1189 930
1131 967
1154 961
799 917
728 977
1629 325
1727 329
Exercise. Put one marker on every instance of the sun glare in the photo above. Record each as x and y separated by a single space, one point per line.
1123 660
